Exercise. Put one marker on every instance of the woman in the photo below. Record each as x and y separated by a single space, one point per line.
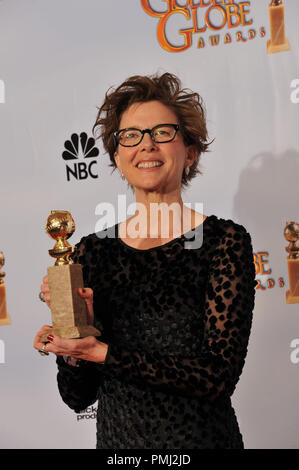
175 321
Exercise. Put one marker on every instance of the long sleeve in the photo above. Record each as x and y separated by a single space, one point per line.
78 386
229 303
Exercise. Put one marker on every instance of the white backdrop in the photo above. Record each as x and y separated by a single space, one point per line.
57 59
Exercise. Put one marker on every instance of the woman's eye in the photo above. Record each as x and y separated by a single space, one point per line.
162 132
130 136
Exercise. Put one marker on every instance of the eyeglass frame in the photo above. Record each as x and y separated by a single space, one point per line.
176 127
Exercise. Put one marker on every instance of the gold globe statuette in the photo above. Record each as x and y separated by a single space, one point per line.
278 41
291 234
68 309
4 317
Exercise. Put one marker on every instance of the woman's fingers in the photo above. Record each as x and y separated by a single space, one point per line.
87 294
54 343
61 346
38 344
45 290
88 348
78 348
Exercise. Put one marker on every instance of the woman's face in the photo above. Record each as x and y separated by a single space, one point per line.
174 155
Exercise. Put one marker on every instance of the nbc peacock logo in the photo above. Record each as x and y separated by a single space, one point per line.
79 150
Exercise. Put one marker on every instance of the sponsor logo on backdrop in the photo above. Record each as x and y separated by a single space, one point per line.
2 92
295 93
80 153
262 271
89 413
2 351
209 23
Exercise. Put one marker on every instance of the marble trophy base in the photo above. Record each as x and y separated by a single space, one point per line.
68 309
272 48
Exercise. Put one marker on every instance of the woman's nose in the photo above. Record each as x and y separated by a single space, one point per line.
147 142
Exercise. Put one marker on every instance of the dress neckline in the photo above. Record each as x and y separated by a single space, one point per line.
158 246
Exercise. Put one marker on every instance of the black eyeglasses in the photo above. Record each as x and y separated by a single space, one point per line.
131 136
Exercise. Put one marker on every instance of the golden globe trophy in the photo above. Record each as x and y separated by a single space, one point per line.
291 234
278 41
4 317
68 309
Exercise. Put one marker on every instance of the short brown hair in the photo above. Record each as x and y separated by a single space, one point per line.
166 88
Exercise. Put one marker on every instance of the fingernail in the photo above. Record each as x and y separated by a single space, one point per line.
50 337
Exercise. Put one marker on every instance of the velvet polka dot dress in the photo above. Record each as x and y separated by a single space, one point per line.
177 319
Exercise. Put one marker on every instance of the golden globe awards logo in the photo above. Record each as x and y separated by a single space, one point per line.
203 17
263 272
79 150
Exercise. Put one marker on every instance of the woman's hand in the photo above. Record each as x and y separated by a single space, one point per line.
89 348
85 292
45 290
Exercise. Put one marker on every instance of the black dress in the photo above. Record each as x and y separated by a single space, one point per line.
177 321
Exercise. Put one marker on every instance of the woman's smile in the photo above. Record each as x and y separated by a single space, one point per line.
149 165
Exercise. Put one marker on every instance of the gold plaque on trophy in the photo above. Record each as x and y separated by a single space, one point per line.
4 317
291 234
68 309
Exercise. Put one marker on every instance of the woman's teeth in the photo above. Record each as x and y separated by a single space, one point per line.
149 164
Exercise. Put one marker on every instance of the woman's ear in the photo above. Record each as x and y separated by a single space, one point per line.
117 162
116 159
191 154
